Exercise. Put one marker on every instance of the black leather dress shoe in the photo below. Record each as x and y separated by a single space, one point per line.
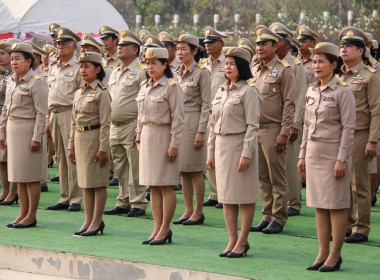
198 221
74 207
260 226
18 225
44 187
136 212
114 182
55 178
210 202
147 196
373 201
58 206
117 211
293 212
179 221
315 266
356 238
325 268
273 228
219 205
178 188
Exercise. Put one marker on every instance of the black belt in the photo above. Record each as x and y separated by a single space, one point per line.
86 128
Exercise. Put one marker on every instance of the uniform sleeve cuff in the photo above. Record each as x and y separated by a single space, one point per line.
285 131
302 153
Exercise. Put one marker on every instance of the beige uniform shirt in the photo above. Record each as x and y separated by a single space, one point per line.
310 78
63 82
42 73
174 64
276 84
92 106
235 111
329 117
26 99
216 69
124 86
300 89
161 104
112 61
365 83
195 83
4 77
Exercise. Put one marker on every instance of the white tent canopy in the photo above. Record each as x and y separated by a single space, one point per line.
34 16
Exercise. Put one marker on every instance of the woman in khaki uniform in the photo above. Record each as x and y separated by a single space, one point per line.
89 141
232 145
22 127
159 130
195 82
325 158
7 197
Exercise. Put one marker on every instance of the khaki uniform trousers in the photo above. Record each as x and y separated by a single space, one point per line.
68 182
211 175
292 175
272 177
126 159
360 212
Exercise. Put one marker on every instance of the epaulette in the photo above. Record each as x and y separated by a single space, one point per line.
285 63
101 86
200 64
104 65
144 82
171 82
250 83
141 66
296 60
373 61
311 84
52 53
43 72
203 60
36 77
342 83
371 69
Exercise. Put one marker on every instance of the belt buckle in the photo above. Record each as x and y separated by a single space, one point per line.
11 118
80 129
223 134
149 123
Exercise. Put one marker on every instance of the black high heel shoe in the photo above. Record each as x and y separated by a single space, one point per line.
180 221
224 254
80 232
315 266
10 225
94 232
147 241
325 268
162 241
10 202
239 255
50 164
18 225
198 221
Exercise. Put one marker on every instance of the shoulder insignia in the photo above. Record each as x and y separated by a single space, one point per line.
250 83
370 69
285 63
373 61
296 60
44 73
36 77
200 64
141 66
171 82
104 65
203 60
342 83
101 86
144 82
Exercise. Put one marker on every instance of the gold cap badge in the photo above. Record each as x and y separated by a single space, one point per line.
60 33
123 33
319 45
181 37
85 36
301 31
149 53
207 32
149 42
258 32
350 34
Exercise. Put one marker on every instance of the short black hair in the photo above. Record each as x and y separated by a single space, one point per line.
100 76
332 58
27 56
244 69
197 56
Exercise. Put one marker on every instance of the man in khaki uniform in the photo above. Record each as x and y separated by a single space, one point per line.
307 39
276 83
53 34
124 86
63 81
171 46
215 64
365 83
109 37
295 135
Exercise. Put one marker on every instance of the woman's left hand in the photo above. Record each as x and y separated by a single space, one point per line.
199 140
339 169
244 163
172 154
102 158
34 146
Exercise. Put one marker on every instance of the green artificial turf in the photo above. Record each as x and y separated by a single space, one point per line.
282 256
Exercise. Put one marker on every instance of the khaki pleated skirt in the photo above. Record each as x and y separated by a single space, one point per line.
25 166
322 189
234 187
190 159
90 174
154 166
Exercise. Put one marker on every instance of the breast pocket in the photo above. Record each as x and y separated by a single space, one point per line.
270 86
140 103
89 104
330 108
157 103
234 105
50 81
359 92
